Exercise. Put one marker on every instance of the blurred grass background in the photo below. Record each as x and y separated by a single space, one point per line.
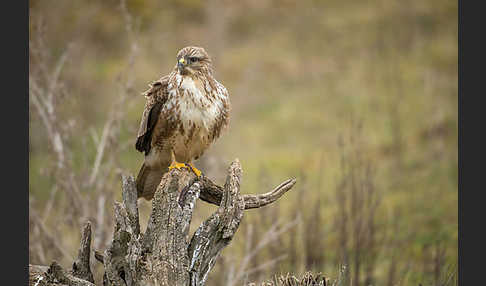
330 92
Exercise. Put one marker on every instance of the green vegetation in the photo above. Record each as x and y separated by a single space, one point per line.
356 99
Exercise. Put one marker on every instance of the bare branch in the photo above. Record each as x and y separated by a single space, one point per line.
49 204
99 152
270 235
212 193
40 109
52 240
55 78
257 201
266 264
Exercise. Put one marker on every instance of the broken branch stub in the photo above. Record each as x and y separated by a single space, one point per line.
217 231
54 275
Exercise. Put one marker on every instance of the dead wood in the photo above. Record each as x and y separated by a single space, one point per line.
164 254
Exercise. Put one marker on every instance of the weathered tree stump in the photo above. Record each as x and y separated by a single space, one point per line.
164 254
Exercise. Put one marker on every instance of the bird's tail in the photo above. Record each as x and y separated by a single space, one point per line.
148 179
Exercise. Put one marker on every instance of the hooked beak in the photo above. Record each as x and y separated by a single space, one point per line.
181 64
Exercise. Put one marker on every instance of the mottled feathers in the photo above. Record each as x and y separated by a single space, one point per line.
156 97
184 113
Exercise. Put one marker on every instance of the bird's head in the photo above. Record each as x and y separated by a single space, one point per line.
191 60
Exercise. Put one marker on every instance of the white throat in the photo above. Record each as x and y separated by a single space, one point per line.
195 106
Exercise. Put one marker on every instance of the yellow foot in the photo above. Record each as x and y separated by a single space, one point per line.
177 165
195 170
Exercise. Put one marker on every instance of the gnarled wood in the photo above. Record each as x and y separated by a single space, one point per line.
212 193
164 254
79 275
81 268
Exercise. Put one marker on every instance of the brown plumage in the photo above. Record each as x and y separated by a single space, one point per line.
184 113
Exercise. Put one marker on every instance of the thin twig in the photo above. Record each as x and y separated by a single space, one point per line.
100 151
49 204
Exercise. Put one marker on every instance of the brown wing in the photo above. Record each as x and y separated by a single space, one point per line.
222 121
156 98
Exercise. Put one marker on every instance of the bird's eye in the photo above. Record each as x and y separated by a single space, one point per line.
193 59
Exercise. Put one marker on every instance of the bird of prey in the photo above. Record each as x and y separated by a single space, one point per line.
185 111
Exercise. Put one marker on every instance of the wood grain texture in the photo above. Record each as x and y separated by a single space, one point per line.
164 254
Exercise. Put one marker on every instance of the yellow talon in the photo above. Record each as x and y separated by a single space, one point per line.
195 170
177 165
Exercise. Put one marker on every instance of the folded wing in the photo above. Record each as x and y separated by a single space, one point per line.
156 98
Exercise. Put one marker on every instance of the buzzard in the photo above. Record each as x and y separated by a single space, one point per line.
185 111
